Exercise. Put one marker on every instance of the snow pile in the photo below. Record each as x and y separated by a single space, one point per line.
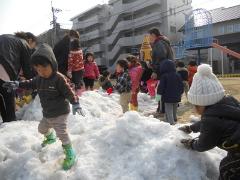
109 147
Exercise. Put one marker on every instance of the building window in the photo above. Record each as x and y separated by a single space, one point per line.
230 28
221 30
236 28
173 29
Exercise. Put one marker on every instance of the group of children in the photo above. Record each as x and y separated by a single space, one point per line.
81 70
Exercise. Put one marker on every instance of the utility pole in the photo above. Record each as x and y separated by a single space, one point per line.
54 23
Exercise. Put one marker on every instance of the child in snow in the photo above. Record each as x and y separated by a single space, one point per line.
75 64
192 69
135 72
219 124
170 90
55 94
183 72
91 71
123 85
104 81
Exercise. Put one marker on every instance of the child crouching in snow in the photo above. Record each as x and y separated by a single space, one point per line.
220 123
104 81
135 72
123 85
55 94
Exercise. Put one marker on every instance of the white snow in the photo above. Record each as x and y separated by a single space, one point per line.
109 145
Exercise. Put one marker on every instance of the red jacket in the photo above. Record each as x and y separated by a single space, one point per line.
91 70
75 61
136 75
191 72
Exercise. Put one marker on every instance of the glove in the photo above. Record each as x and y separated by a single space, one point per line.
69 74
187 143
158 97
11 85
185 129
76 108
110 91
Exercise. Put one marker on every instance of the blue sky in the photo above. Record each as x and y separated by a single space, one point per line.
35 15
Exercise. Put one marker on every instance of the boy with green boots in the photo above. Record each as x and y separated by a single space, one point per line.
55 94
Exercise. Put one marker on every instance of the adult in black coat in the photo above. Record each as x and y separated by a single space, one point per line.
15 54
220 122
161 50
61 51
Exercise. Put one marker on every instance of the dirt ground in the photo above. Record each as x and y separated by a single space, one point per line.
232 87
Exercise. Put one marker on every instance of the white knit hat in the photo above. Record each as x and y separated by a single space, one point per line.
206 89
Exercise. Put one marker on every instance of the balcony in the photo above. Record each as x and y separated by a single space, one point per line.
91 35
98 48
88 22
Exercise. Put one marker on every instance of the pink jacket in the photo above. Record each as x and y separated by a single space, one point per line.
91 70
136 75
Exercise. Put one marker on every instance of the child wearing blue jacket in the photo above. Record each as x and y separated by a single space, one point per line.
170 89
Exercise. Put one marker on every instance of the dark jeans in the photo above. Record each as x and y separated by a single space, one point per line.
230 167
77 78
7 104
89 83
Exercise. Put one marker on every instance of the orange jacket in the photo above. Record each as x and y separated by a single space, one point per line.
191 71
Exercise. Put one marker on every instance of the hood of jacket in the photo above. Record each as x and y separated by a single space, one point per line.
228 108
167 66
44 50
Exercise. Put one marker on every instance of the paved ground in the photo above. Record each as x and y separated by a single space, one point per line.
232 87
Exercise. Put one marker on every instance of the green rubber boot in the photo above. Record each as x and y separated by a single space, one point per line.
70 159
49 139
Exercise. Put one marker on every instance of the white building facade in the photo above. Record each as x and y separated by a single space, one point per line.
115 29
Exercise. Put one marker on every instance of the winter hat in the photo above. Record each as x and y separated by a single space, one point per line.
206 89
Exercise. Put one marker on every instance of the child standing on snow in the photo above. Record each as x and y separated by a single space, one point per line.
170 90
91 71
135 72
104 81
219 124
75 64
183 72
123 85
55 94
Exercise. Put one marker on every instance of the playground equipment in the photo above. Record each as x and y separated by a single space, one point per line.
198 31
146 49
198 34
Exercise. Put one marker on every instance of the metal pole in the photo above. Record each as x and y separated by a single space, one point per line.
222 63
211 56
199 57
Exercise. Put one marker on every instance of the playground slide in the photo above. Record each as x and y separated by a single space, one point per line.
226 50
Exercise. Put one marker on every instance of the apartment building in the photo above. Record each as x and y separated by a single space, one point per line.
115 29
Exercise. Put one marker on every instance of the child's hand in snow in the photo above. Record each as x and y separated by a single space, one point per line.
185 129
187 143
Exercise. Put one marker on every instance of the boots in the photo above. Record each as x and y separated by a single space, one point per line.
132 107
70 159
49 139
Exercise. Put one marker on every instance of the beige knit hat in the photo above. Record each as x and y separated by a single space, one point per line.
206 89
